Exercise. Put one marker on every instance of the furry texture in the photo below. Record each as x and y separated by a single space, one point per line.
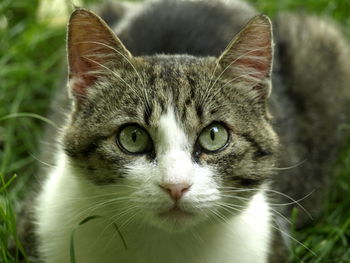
174 97
314 66
140 209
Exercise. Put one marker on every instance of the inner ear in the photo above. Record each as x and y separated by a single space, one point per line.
248 57
93 49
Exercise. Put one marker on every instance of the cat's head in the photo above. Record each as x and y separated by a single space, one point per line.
169 140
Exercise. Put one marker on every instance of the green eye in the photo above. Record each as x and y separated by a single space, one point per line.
213 138
133 139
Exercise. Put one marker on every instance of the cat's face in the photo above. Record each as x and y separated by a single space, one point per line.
168 140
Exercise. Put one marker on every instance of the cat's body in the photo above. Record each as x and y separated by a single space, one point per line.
222 212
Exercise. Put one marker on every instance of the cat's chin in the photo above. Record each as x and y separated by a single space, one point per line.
175 220
176 214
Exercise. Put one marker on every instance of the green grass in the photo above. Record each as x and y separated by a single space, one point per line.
30 68
329 237
32 63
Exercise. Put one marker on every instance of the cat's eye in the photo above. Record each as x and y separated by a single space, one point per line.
133 139
213 138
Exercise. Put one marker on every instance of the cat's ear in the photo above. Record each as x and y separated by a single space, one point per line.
248 57
92 49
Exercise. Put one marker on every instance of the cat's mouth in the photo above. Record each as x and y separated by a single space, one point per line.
176 213
176 218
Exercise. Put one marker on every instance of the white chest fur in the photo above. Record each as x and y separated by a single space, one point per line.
65 201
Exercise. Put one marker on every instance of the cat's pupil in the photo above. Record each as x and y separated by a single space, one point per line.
212 133
133 136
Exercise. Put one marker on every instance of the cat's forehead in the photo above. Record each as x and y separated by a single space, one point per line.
143 93
177 73
181 82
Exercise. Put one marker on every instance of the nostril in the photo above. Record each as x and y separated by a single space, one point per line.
176 191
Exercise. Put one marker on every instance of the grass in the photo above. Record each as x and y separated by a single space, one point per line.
30 58
32 63
329 237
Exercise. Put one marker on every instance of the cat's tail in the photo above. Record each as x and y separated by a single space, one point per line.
316 67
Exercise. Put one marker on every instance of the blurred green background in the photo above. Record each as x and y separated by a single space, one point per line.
33 66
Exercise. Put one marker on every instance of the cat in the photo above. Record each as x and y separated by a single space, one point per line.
175 140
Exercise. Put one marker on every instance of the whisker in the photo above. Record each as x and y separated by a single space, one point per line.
232 80
293 202
212 75
128 221
271 204
285 168
228 207
226 68
133 67
294 239
50 164
221 218
119 53
97 205
235 190
123 213
108 69
236 197
114 219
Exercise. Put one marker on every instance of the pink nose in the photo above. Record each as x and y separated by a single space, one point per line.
175 191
